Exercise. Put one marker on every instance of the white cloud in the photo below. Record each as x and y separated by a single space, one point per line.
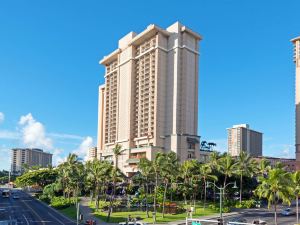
1 117
65 136
82 150
57 157
33 133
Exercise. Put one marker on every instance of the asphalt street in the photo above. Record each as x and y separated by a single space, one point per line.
27 210
263 214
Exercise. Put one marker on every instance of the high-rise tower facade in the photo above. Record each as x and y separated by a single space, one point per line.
296 42
149 101
242 138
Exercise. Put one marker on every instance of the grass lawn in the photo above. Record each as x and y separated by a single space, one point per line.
122 216
69 212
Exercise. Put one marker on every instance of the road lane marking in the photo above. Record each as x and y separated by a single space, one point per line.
50 208
56 218
35 213
26 219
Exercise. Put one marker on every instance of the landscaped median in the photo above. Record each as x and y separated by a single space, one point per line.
70 212
64 205
117 217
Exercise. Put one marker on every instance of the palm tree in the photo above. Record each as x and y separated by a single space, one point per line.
214 164
146 170
246 167
156 166
227 167
296 187
263 167
168 171
116 176
206 174
97 173
67 171
117 150
188 170
277 186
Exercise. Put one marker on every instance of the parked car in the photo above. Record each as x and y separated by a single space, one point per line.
15 196
133 223
287 212
237 221
260 222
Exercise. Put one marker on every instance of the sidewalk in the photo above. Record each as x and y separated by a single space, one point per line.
216 216
87 212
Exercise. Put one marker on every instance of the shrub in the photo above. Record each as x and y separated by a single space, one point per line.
44 198
61 202
246 204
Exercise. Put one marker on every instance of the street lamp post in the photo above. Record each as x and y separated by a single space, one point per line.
222 190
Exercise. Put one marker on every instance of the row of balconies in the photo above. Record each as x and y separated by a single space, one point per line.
111 66
137 155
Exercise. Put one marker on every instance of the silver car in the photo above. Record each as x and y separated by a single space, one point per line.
287 212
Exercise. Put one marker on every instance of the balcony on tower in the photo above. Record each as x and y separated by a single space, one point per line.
296 57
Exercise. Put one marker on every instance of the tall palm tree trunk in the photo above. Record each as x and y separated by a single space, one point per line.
297 208
155 195
275 212
111 202
241 187
214 192
204 194
164 200
146 195
225 180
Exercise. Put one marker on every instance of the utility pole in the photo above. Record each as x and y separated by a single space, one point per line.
222 191
77 213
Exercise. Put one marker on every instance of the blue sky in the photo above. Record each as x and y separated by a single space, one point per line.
49 71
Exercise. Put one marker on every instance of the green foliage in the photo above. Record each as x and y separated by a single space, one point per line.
104 205
225 209
61 202
246 204
40 177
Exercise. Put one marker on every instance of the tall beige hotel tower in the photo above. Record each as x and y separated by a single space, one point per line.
149 102
296 42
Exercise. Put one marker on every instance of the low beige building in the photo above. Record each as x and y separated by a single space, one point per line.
242 138
289 164
149 102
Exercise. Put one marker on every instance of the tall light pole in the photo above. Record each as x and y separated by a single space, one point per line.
222 190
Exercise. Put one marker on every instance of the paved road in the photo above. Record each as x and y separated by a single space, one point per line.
265 215
29 211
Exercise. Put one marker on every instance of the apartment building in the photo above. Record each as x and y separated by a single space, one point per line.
296 58
242 138
92 153
149 100
289 164
30 157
